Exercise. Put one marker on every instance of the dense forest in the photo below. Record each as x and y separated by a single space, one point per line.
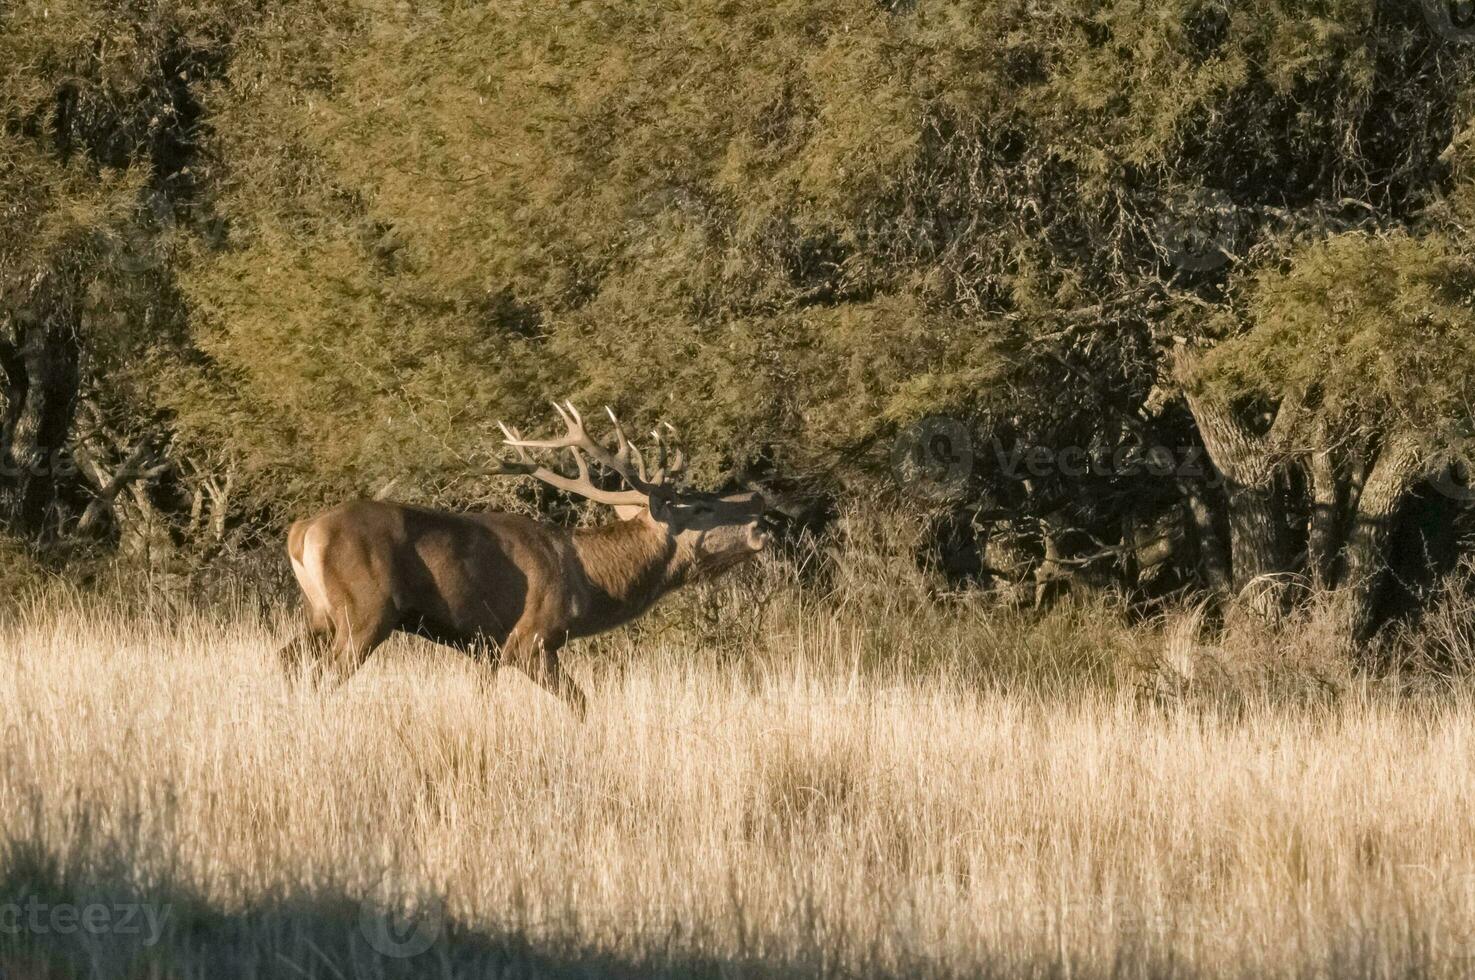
1186 287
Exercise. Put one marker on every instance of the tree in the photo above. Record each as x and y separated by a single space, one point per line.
791 229
99 123
1360 351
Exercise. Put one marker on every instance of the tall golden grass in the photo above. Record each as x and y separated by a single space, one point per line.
961 793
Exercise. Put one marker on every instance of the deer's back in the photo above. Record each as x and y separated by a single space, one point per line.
460 575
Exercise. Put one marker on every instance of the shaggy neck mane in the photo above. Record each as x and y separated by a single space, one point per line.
629 565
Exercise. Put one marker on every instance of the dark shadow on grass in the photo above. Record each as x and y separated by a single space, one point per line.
167 931
328 935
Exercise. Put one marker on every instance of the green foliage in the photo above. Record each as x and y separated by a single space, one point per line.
787 228
372 229
1374 331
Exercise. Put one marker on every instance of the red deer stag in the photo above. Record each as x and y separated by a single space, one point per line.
506 584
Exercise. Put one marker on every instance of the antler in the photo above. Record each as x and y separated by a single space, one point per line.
670 461
625 460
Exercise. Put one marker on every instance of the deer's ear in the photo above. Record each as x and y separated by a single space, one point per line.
628 512
663 508
660 507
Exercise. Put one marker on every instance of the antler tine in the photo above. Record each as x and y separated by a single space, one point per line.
568 412
627 452
625 460
660 452
525 463
622 444
638 459
511 437
677 459
619 429
582 484
665 469
628 456
574 436
581 465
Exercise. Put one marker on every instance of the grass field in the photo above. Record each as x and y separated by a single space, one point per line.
808 798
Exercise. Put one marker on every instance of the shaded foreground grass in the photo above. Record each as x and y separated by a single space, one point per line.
787 802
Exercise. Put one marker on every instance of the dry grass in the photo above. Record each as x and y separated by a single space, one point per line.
792 807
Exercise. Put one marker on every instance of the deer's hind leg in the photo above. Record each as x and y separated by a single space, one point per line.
357 631
348 595
305 650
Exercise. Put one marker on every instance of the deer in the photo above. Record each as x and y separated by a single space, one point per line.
506 587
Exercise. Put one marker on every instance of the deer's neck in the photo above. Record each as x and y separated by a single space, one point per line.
628 565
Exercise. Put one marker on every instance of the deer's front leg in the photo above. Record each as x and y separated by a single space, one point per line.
537 656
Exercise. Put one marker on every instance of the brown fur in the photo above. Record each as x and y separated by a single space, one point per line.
497 583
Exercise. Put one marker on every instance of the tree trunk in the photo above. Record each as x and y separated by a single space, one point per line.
1260 552
1051 575
1366 557
1206 522
42 377
1324 534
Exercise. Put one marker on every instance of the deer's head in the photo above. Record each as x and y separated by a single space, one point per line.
710 532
